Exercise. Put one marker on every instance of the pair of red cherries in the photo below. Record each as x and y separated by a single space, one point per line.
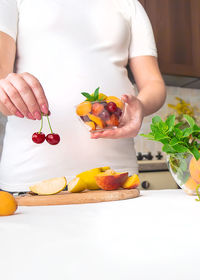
39 137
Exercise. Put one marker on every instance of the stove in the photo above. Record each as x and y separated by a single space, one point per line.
154 173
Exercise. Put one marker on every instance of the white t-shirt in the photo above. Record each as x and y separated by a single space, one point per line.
70 46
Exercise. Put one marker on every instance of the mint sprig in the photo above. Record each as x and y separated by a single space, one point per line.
92 97
174 139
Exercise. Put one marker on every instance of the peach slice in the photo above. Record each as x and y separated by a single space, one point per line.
97 108
111 182
116 100
113 121
97 120
83 108
91 124
132 182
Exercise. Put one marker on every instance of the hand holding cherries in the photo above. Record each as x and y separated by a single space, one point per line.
39 137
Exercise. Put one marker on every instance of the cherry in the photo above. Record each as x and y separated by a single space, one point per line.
38 137
112 107
53 138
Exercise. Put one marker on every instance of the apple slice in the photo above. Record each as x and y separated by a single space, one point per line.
77 185
51 186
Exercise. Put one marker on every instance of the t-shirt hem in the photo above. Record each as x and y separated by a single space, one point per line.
143 54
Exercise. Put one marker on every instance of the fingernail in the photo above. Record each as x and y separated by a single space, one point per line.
18 114
37 115
44 108
30 116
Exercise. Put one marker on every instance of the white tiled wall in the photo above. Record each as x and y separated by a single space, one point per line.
190 95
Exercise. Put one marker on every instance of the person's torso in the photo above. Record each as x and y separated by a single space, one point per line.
70 46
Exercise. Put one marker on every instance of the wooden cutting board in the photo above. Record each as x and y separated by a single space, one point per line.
66 197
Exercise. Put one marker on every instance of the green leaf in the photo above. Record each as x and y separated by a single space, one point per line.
178 133
176 141
187 131
189 120
180 148
195 152
96 94
87 95
156 119
170 122
158 136
168 149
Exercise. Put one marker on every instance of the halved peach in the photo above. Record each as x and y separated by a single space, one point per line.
97 120
132 182
84 108
111 182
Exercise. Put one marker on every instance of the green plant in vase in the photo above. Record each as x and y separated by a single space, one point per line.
180 144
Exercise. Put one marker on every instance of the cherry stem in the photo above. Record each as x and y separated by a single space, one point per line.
49 125
41 124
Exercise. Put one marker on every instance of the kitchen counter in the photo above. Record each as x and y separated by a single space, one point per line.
155 236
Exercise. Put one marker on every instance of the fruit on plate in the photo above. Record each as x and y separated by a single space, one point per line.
111 180
194 168
132 182
77 185
8 204
99 111
88 177
51 186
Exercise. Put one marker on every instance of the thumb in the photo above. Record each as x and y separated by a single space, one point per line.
128 98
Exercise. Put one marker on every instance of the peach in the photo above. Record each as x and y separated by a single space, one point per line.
194 168
113 121
97 108
132 182
111 181
97 120
84 108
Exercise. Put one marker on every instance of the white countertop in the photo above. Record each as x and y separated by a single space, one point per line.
155 236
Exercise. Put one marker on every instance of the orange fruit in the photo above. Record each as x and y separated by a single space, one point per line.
83 108
8 204
191 184
194 168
